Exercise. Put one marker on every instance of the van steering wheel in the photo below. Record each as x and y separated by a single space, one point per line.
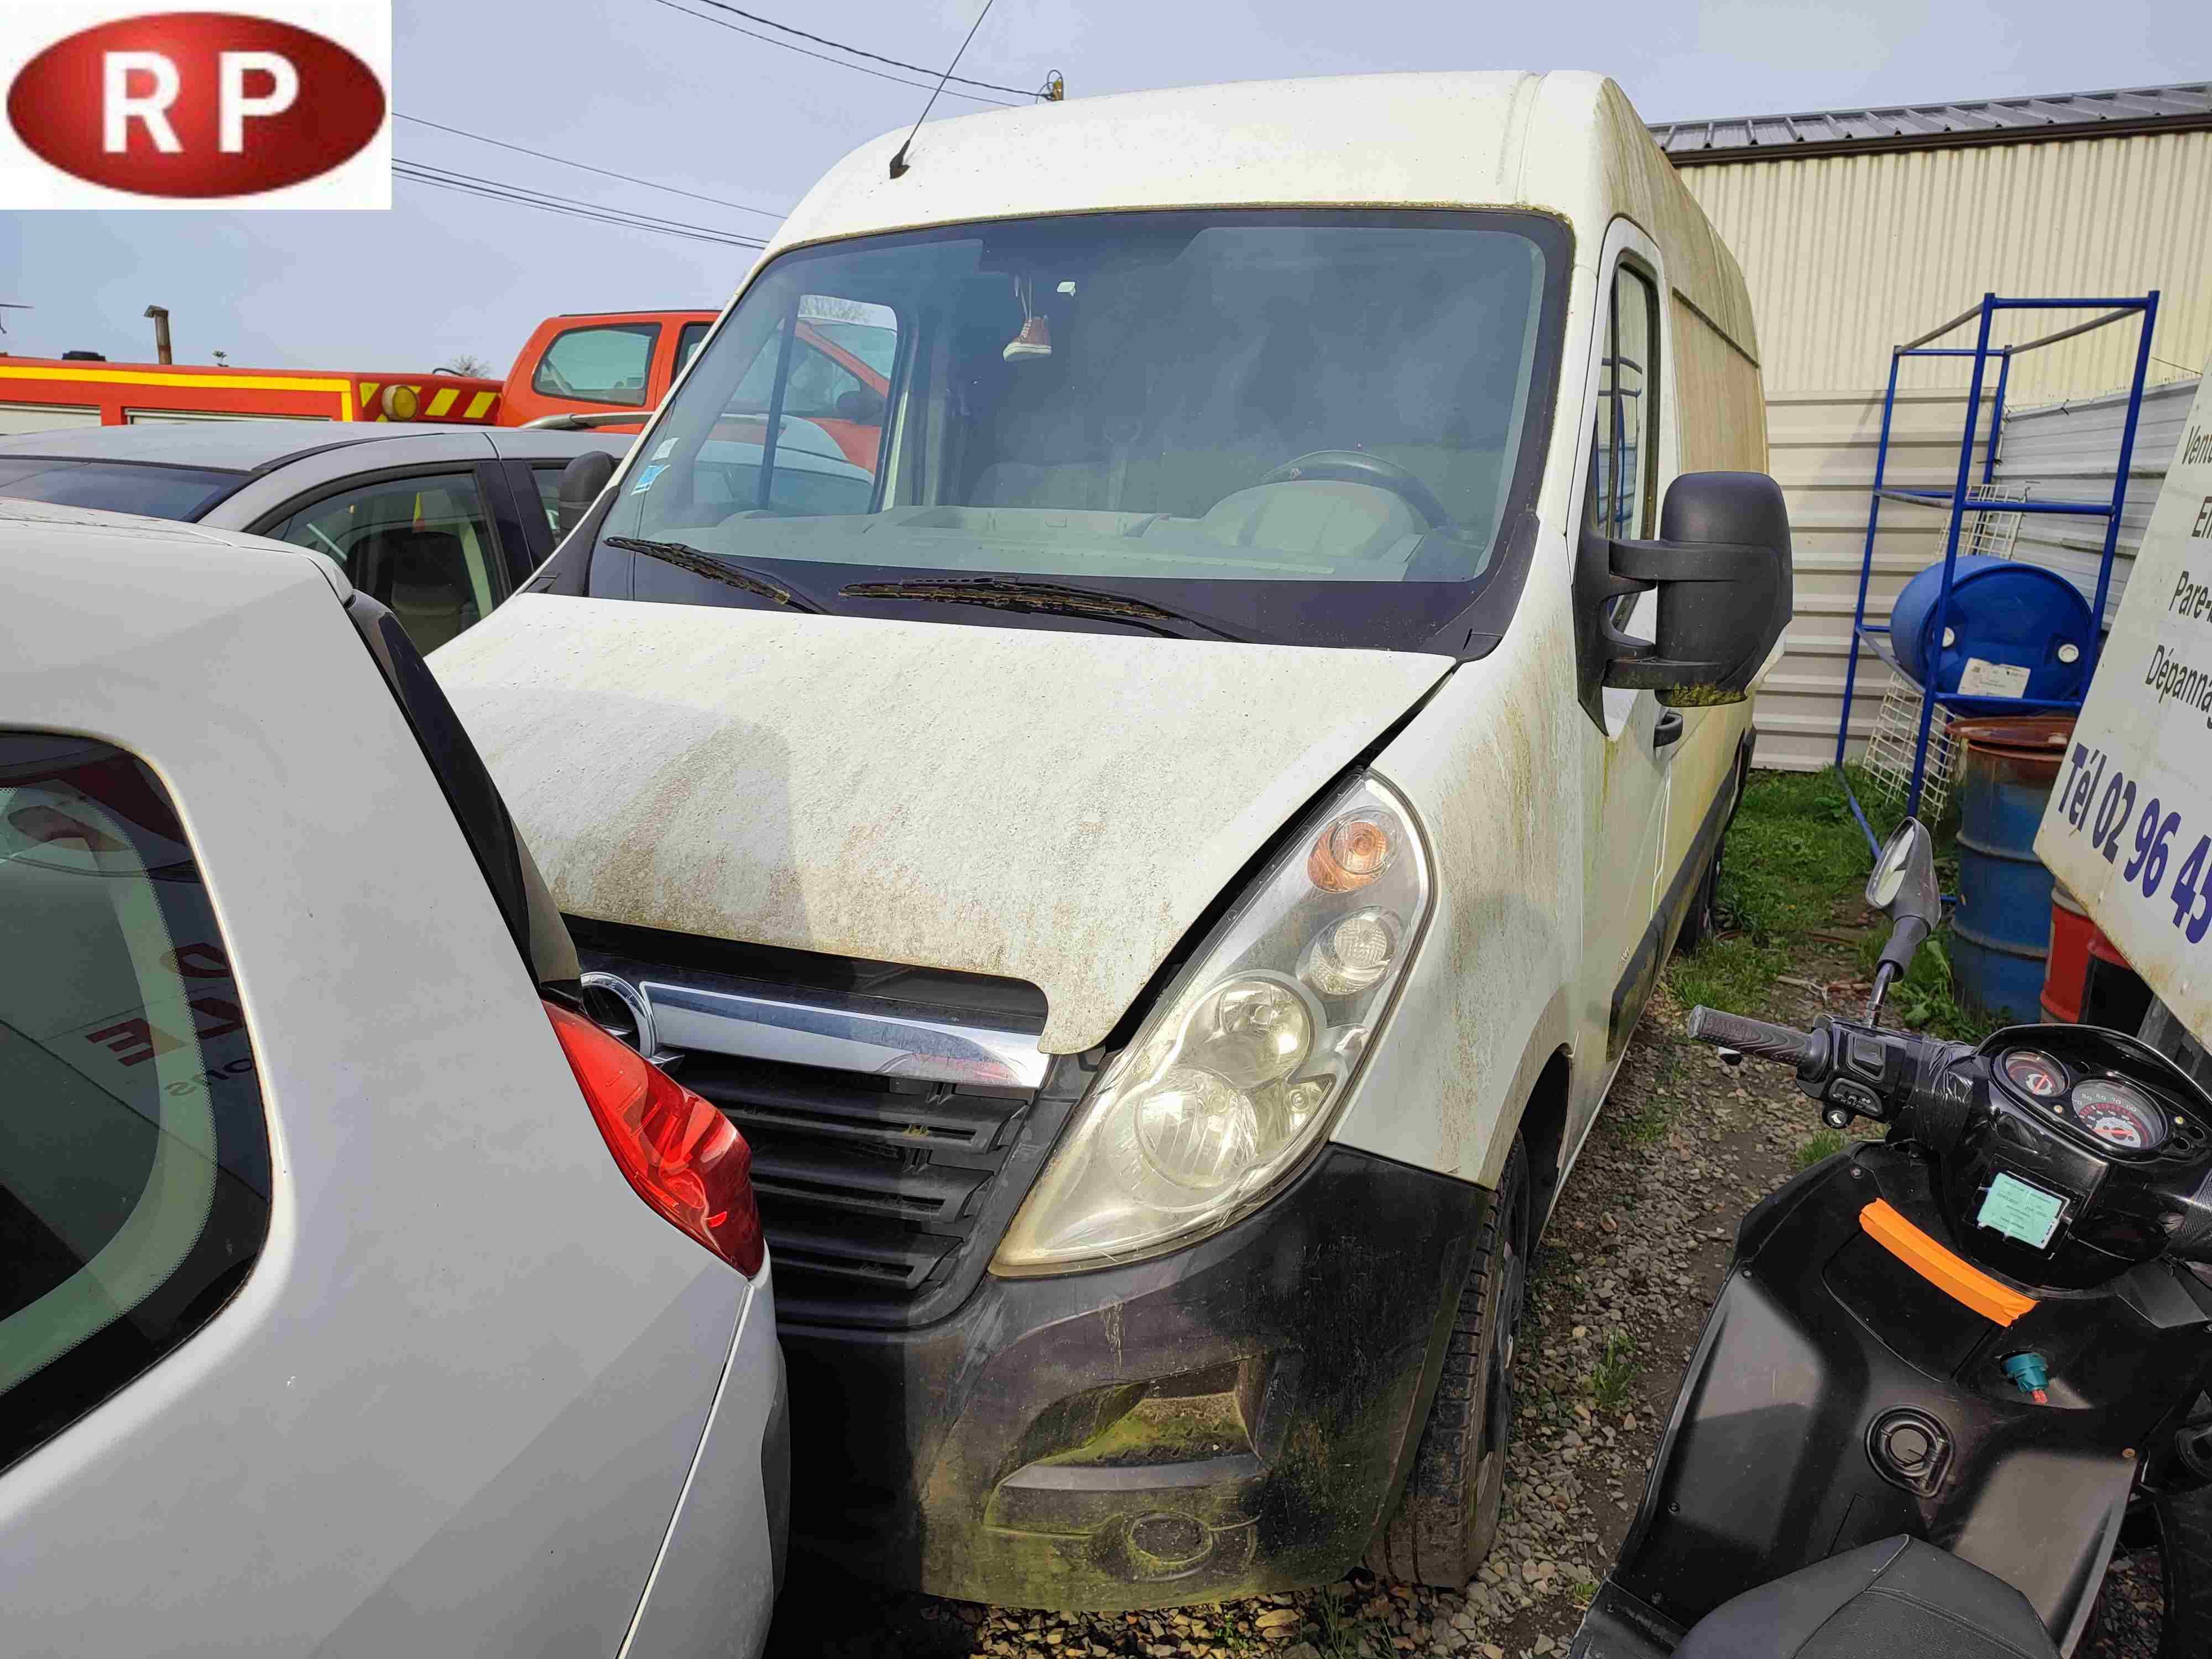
1358 466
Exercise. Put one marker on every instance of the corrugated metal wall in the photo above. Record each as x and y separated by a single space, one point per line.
2067 452
1822 448
1847 255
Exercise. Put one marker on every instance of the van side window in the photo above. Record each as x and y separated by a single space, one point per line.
1624 445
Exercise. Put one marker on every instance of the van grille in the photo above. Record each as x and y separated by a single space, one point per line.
870 1187
883 1197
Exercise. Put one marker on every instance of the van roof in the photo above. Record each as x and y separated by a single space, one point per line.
1566 142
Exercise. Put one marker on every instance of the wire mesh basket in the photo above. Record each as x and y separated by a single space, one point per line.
1993 533
1888 758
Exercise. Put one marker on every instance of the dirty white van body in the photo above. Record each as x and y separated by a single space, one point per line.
1167 922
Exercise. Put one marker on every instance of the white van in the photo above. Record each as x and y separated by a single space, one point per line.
1163 868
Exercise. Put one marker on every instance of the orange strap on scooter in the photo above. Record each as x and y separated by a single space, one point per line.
1958 1279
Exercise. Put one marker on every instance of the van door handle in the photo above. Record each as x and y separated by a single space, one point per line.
1666 730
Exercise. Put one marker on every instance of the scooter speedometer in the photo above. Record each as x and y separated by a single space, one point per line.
2119 1113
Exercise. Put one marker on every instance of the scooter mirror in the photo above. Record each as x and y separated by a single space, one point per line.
1903 887
1904 880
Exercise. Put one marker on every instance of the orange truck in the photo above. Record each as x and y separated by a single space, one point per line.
597 364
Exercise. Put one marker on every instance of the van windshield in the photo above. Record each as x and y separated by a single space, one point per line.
1200 410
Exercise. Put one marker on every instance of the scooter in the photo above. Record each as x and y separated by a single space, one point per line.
1946 1372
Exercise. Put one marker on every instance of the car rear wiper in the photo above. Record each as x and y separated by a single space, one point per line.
1047 598
685 556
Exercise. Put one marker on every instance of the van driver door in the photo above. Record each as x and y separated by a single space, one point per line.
1627 454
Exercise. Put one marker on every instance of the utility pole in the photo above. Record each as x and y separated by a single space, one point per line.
160 316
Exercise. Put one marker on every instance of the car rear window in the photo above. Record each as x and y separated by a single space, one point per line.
134 1155
157 492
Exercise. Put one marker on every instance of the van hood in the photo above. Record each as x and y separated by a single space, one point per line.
1055 807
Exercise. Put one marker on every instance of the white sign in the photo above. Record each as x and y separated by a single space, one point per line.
1980 678
2129 829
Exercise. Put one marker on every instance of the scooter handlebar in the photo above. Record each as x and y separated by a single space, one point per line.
1780 1043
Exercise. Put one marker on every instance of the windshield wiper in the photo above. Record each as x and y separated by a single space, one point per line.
685 556
1041 599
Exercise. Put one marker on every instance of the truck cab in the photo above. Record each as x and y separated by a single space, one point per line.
1162 857
603 364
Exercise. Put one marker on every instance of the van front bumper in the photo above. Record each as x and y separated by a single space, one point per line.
1231 1419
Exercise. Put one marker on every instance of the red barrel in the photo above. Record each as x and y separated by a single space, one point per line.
2068 972
2078 950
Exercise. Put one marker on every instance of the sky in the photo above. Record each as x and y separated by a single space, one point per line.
637 87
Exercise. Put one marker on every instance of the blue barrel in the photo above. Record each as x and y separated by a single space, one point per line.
2001 611
2001 933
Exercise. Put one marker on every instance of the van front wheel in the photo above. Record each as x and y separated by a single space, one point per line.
1448 1519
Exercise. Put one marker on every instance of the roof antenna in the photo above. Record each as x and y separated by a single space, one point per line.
898 161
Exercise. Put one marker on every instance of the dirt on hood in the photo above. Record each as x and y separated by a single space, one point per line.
1055 807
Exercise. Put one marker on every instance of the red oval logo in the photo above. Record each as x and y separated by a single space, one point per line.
195 103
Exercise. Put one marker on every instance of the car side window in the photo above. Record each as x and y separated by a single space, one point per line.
605 364
134 1154
421 546
1624 445
548 480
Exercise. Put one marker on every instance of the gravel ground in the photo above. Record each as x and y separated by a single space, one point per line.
1632 1258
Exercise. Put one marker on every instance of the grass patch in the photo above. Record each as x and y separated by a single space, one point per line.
1818 1150
1795 856
1797 860
1923 999
1647 1123
1340 1632
1795 852
1614 1375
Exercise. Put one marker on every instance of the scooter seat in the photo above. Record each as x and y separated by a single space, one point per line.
1900 1599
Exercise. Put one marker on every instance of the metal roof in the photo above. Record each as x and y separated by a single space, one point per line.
1939 127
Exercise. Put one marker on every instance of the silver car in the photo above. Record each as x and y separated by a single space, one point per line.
437 523
357 1296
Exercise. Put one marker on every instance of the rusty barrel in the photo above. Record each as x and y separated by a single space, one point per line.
2001 936
2068 970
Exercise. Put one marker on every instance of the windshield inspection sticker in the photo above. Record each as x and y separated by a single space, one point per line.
2012 1208
2129 828
645 478
1992 679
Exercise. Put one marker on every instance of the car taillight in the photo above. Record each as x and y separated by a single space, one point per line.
683 1158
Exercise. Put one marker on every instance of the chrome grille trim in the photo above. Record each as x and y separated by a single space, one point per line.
846 1039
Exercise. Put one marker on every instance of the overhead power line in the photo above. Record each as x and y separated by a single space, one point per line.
857 69
499 190
861 52
586 167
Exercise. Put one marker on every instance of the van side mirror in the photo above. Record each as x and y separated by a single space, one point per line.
581 481
1722 567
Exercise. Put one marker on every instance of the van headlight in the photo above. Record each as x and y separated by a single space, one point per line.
1236 1076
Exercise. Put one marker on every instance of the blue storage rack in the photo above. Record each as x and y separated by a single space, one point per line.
1874 636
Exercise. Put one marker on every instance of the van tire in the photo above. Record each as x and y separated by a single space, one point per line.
1448 1517
1702 920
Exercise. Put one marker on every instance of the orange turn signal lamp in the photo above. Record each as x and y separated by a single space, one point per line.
1350 854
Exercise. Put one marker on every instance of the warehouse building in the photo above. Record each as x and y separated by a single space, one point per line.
1858 229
